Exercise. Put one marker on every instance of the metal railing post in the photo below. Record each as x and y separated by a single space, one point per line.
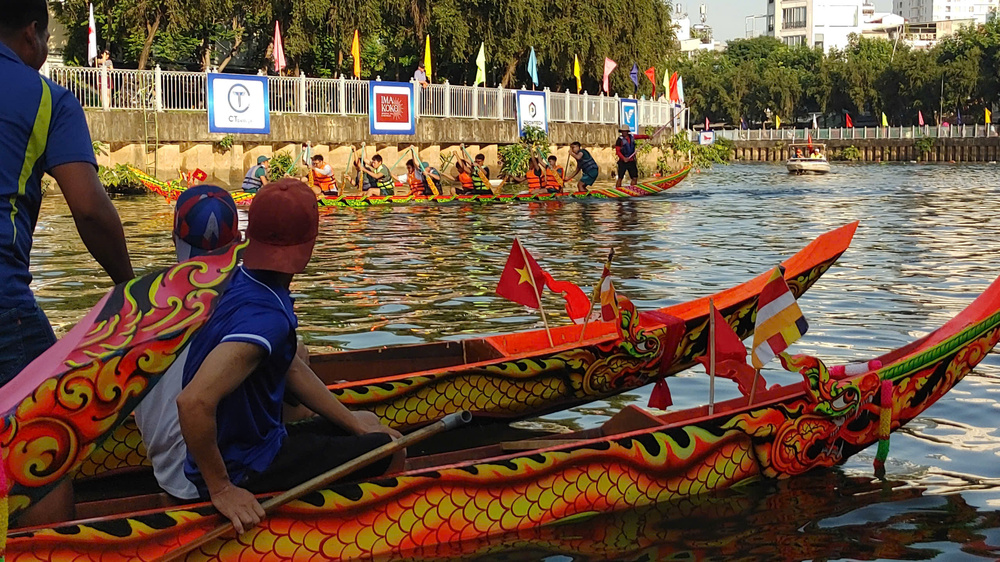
475 102
500 103
447 99
416 97
158 88
568 113
547 104
586 109
302 93
343 95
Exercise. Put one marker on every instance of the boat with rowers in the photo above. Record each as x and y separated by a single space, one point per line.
171 190
635 459
514 376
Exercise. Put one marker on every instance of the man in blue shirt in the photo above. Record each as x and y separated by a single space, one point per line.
240 364
42 129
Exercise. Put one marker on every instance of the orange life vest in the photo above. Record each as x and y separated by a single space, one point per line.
466 180
553 177
322 181
416 185
534 179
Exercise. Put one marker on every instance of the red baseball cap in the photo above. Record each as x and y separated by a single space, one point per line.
282 225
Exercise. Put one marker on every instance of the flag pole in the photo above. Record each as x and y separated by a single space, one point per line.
711 357
753 387
538 294
597 295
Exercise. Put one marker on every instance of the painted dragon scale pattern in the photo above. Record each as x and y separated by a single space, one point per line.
171 190
141 330
513 389
788 434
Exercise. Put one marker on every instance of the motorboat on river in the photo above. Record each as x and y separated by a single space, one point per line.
808 158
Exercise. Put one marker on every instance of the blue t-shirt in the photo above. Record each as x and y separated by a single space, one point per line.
249 421
42 126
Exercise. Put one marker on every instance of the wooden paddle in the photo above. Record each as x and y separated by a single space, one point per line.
426 173
482 174
541 158
450 421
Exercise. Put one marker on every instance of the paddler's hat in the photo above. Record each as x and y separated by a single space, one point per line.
262 159
282 226
205 219
624 128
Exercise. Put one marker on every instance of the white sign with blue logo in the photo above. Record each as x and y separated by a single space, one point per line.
532 110
238 104
629 116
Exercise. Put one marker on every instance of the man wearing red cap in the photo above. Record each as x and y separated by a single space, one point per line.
241 362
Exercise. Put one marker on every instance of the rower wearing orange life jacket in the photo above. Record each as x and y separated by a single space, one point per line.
554 176
535 176
321 177
464 178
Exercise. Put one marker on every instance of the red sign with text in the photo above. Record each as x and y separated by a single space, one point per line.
392 108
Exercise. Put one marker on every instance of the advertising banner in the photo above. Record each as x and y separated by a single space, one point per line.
532 110
629 115
706 137
391 110
238 104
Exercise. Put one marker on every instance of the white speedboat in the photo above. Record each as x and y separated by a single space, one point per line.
807 158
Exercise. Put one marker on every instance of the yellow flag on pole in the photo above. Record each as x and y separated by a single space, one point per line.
885 120
576 73
989 116
427 58
481 66
356 53
777 122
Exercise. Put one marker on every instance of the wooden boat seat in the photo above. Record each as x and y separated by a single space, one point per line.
381 362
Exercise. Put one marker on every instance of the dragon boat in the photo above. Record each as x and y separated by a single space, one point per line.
515 376
635 459
171 190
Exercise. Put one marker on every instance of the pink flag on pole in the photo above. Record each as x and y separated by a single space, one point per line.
279 50
920 118
609 66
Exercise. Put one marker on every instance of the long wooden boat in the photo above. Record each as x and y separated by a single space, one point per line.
515 376
635 459
171 190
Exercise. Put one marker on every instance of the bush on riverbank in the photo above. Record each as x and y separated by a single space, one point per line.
118 179
514 157
701 156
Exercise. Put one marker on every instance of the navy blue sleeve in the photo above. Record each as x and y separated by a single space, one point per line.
69 136
262 326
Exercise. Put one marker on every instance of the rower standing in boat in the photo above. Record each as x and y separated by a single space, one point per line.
625 148
322 178
42 130
586 165
378 178
256 176
240 363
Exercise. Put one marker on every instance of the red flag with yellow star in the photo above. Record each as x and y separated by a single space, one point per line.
522 278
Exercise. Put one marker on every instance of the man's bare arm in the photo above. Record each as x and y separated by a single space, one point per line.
96 218
222 371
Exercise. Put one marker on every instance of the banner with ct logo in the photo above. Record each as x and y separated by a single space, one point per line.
532 110
238 104
629 116
391 109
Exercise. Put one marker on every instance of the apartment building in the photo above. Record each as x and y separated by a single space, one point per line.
926 11
826 24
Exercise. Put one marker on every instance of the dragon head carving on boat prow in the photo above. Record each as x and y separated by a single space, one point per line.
831 397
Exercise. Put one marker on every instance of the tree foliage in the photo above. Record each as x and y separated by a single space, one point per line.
202 34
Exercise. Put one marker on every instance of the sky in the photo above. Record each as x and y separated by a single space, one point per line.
728 17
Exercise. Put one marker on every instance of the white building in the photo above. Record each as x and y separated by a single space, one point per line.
826 24
926 11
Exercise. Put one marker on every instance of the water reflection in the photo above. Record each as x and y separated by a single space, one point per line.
927 245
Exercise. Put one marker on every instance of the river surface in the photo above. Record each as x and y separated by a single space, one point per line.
928 243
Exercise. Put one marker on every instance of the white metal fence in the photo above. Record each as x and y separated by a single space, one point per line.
852 133
161 90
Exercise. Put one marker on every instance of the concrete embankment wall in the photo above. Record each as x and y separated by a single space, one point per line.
979 149
185 143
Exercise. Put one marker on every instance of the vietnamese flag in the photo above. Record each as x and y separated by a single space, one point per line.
520 279
730 355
